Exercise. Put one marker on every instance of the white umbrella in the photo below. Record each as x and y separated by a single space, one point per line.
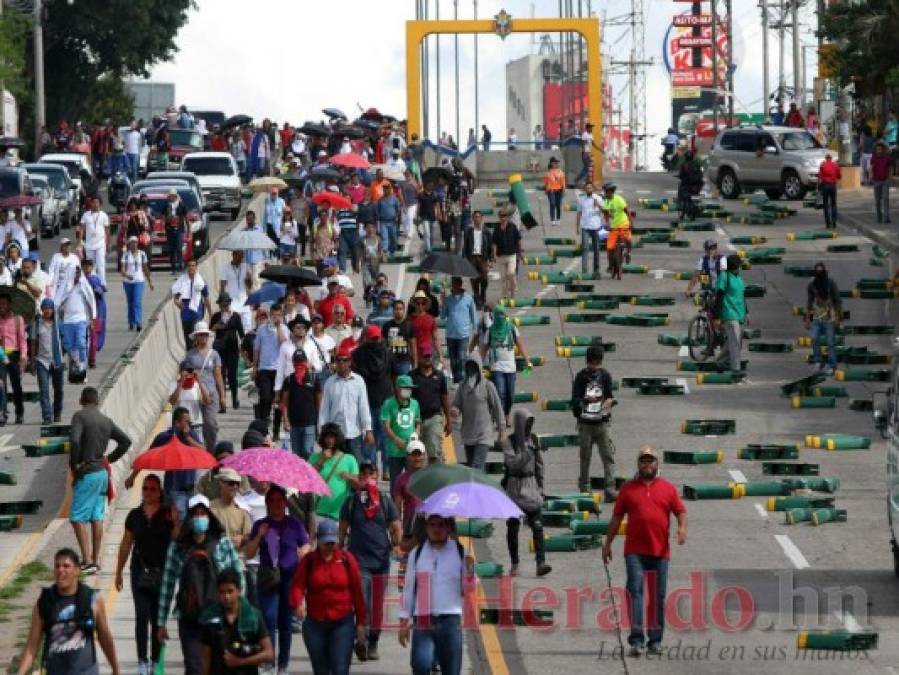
247 240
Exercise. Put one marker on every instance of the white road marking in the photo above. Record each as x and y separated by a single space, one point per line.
4 444
792 551
761 510
570 267
683 352
723 233
682 382
546 289
737 475
643 192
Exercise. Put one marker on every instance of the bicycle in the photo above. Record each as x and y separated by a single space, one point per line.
616 261
702 336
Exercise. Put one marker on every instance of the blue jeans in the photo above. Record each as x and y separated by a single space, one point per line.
505 387
46 377
388 236
348 246
458 351
330 644
476 456
354 446
371 452
590 242
427 228
134 296
275 608
555 204
133 166
823 329
302 441
636 566
374 586
74 340
437 636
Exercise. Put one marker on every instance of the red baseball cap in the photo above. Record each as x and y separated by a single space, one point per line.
344 350
372 332
426 349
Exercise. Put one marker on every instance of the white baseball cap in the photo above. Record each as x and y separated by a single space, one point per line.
197 499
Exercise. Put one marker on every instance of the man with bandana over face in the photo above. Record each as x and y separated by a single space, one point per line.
823 311
648 502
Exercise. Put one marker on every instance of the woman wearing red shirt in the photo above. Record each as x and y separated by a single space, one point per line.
424 326
328 578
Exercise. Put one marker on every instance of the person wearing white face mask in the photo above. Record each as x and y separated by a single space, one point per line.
401 418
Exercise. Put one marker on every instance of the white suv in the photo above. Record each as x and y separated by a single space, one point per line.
783 161
219 180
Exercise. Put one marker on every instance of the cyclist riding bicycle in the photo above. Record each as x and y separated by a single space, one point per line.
690 177
619 217
708 267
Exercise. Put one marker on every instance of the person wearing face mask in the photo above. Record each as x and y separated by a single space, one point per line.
648 502
481 411
200 550
823 312
731 315
401 417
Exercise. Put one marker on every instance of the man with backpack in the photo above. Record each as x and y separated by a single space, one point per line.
433 598
67 618
708 267
591 403
373 523
192 565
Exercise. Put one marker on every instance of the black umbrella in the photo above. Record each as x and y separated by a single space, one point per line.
431 174
315 129
453 265
324 173
334 113
292 275
11 142
366 124
236 121
22 303
349 132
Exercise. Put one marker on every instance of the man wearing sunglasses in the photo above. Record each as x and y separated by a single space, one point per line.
648 502
345 403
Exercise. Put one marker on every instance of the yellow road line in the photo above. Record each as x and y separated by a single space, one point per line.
494 651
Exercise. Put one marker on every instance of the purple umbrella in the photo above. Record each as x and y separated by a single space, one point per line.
470 500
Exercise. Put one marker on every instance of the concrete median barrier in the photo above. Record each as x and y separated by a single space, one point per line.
837 640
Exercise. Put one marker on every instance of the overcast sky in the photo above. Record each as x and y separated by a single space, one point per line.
287 59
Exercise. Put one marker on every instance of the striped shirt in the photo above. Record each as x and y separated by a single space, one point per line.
346 218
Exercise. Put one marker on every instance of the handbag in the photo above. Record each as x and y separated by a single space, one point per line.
147 578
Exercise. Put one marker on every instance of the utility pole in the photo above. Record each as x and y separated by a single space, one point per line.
40 110
798 94
437 16
477 120
730 61
456 57
781 37
3 94
765 83
714 6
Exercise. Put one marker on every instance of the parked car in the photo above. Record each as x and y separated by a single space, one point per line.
80 171
52 208
181 142
782 161
186 176
196 245
58 178
219 179
15 182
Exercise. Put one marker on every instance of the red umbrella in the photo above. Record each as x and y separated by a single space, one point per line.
18 201
350 160
332 200
175 456
372 114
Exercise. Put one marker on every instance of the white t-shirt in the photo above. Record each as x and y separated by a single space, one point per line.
133 264
289 229
132 142
285 359
190 290
590 209
235 281
95 225
477 241
75 308
191 399
587 140
19 234
322 346
62 269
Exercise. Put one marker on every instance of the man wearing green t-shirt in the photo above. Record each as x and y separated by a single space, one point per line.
339 470
401 417
730 288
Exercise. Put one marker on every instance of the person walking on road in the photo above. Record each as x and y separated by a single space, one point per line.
823 313
300 395
401 417
554 186
193 561
207 364
372 361
89 437
78 307
477 248
591 404
135 269
461 316
881 169
281 541
337 468
266 349
372 522
190 293
829 175
432 608
46 360
68 646
175 219
429 388
149 529
499 341
94 235
648 502
481 411
400 339
229 331
234 520
344 402
731 315
506 241
523 482
589 224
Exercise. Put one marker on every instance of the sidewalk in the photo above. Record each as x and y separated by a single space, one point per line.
855 209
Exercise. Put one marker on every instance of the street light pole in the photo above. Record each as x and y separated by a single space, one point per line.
40 108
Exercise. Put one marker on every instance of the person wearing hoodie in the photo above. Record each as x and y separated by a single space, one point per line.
481 411
372 360
523 482
46 356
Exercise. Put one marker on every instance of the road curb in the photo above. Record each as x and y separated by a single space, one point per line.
868 231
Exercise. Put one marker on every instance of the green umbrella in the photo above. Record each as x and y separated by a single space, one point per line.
22 304
436 476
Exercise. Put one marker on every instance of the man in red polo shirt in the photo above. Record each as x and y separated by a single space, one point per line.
648 502
829 175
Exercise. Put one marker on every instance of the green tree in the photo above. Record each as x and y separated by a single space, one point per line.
91 46
866 47
15 30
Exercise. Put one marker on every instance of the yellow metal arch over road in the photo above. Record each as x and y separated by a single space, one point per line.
588 28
